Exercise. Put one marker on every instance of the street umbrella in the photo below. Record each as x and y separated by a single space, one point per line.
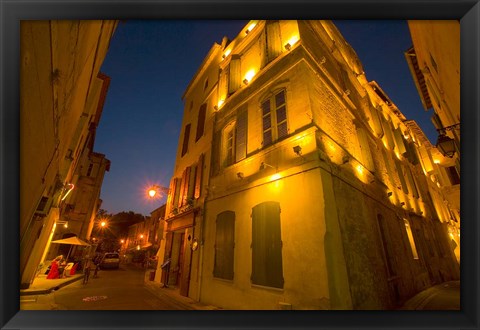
71 240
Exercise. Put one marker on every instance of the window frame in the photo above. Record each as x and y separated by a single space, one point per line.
273 113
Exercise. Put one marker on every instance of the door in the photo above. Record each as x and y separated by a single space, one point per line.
186 262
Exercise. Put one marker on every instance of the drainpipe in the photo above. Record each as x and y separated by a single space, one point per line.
204 212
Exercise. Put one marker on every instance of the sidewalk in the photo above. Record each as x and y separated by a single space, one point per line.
445 296
42 285
172 295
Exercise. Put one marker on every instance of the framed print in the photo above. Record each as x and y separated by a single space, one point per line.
304 189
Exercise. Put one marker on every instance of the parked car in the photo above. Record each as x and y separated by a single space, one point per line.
110 260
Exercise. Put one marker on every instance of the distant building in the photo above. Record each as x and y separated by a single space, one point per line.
434 62
298 183
61 98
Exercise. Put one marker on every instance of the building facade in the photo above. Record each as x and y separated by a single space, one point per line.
434 61
313 194
60 93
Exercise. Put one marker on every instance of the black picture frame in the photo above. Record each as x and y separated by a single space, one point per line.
467 11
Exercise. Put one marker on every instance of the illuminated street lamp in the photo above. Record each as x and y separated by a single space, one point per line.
445 144
122 241
156 189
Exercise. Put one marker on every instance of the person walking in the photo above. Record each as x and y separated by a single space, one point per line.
86 270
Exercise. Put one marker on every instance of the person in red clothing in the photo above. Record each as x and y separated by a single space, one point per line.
54 273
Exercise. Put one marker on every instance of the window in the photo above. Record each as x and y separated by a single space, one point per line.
201 121
90 168
410 239
453 175
229 144
186 136
205 85
224 245
274 118
267 269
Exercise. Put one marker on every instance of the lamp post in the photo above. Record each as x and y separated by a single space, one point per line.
445 144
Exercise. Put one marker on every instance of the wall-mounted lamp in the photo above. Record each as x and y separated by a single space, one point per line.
68 187
264 165
245 81
297 150
445 144
152 192
288 46
240 175
345 159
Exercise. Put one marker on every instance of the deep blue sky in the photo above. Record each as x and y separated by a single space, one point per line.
150 64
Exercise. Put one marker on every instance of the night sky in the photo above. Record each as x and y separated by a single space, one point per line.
150 64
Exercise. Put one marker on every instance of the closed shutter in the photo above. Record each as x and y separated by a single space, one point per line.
274 40
267 268
388 129
177 189
201 121
365 149
235 80
191 182
171 193
241 138
223 84
413 186
186 137
198 177
224 245
399 141
412 153
401 175
184 186
377 122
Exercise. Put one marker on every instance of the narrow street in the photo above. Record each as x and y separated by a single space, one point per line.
113 289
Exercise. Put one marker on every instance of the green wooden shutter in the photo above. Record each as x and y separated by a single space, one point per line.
235 78
241 138
224 245
267 268
274 40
